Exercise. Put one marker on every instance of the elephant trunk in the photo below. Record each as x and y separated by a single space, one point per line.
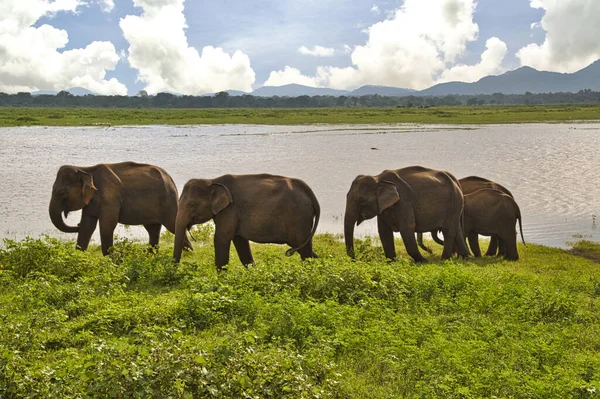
180 233
350 219
436 237
55 210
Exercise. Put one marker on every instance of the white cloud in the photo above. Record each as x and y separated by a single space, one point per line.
410 49
107 5
375 9
572 32
29 56
291 75
490 64
317 51
159 50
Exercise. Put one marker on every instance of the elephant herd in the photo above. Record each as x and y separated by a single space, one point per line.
275 209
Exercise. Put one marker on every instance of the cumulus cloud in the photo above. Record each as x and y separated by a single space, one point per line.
412 48
107 5
317 51
30 59
375 9
291 75
490 64
572 32
159 50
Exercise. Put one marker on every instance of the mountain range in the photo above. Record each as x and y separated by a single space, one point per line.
518 81
76 91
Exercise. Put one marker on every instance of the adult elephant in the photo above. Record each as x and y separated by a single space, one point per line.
262 208
408 200
469 185
127 192
493 213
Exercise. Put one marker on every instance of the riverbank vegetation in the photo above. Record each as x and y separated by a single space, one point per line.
133 324
225 100
23 116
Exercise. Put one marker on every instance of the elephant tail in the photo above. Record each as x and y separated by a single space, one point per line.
521 229
317 209
520 225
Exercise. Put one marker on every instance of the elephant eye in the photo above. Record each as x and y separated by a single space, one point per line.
361 200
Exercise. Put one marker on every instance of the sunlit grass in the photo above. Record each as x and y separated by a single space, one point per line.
135 324
296 116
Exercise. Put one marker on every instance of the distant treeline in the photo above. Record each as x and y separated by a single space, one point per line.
224 100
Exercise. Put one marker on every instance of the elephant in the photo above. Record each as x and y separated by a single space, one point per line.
469 185
262 208
128 192
492 212
408 200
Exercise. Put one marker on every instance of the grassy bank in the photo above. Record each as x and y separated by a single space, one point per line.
134 325
296 116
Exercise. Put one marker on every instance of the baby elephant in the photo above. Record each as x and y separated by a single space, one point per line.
491 212
261 208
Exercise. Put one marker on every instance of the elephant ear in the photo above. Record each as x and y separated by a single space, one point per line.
220 197
88 190
387 195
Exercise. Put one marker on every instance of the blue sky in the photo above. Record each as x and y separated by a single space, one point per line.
193 47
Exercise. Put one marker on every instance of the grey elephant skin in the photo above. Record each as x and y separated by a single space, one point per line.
108 194
469 185
407 200
261 208
491 212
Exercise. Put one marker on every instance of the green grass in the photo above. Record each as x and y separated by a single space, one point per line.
133 324
296 116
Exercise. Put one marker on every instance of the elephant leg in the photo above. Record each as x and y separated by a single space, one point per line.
87 226
242 246
493 248
422 244
386 235
222 245
154 233
501 246
460 245
510 240
307 251
408 237
474 244
108 223
449 244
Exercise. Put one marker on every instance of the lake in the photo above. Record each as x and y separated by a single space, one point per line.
551 169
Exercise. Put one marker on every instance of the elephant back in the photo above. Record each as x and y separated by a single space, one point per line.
471 184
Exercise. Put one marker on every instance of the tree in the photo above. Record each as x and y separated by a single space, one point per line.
163 99
341 101
221 99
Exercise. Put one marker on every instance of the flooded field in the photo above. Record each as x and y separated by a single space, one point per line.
552 169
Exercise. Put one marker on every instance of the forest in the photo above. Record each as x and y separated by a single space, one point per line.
225 100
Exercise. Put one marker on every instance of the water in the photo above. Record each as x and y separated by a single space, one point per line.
552 169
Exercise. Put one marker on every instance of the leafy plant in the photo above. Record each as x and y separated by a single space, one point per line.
135 324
